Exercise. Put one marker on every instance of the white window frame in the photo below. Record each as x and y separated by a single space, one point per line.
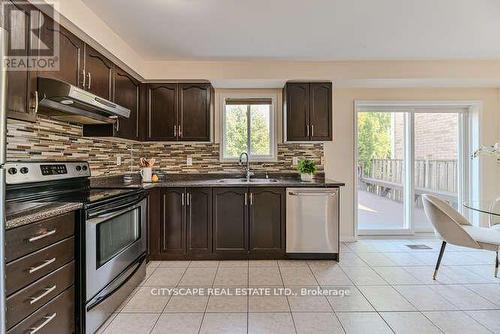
467 168
273 157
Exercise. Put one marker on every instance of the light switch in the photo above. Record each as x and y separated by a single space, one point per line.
295 161
189 161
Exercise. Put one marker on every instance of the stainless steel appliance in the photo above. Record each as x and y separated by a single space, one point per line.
312 223
3 134
115 238
66 102
112 236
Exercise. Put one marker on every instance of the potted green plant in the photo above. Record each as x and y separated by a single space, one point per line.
306 168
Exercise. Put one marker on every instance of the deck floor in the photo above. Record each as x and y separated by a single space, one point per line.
375 212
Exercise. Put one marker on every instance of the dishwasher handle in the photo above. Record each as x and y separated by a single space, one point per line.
309 193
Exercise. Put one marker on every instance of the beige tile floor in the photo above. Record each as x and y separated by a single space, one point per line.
390 285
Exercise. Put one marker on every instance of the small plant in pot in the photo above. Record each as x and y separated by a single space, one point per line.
306 168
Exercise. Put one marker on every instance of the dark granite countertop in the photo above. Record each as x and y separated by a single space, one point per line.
39 211
215 180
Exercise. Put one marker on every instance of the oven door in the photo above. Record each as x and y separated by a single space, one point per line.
115 238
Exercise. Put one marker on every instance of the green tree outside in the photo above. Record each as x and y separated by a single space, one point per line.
374 137
236 140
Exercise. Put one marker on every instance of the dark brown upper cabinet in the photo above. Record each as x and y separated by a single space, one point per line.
71 52
179 112
21 88
267 220
98 74
308 110
194 112
162 112
230 220
126 94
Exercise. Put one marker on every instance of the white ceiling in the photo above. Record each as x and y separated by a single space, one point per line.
305 29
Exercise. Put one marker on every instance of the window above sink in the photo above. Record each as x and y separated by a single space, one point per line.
248 124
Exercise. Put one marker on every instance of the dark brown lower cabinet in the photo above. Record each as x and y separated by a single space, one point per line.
217 223
173 228
230 220
267 220
180 223
249 221
199 220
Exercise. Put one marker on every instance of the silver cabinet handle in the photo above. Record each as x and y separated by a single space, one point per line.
175 131
246 199
182 199
251 198
48 319
83 78
43 265
117 124
89 76
43 235
312 130
35 104
45 293
307 127
188 198
180 131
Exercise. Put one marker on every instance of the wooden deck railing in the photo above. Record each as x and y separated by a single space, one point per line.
385 178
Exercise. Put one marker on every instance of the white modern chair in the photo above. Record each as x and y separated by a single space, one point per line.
493 220
457 230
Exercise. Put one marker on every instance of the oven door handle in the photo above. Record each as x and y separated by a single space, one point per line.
111 289
116 211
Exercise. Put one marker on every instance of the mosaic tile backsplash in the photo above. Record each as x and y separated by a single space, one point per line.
53 140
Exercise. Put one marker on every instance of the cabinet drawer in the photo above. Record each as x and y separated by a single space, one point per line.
36 265
57 317
29 238
34 296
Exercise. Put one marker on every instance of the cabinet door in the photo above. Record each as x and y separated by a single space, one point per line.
162 112
21 84
230 220
71 50
99 72
173 228
194 112
320 113
267 220
297 111
199 220
126 94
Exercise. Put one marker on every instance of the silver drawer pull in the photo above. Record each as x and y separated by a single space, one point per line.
43 265
47 291
41 236
48 319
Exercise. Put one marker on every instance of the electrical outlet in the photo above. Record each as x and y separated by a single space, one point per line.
118 160
295 161
189 161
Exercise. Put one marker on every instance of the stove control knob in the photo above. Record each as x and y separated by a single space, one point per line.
84 167
24 170
78 168
12 170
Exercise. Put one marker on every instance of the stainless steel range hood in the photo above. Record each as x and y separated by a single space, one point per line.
65 102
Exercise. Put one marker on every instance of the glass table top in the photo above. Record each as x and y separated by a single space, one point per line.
489 207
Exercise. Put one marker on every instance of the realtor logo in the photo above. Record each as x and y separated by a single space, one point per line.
33 35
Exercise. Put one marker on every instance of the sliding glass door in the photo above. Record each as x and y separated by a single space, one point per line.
402 153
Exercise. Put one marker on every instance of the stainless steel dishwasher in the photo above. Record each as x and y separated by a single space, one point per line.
312 223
